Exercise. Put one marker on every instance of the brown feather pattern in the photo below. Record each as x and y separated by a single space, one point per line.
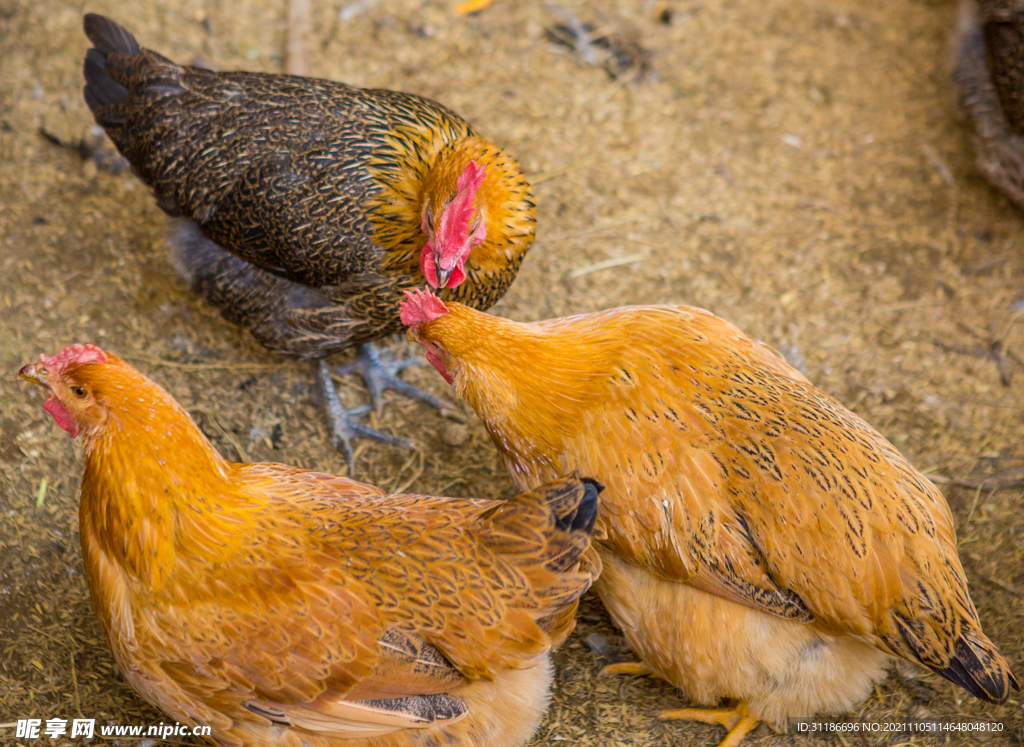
305 194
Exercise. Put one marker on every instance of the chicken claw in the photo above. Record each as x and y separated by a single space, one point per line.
737 720
380 372
341 421
627 667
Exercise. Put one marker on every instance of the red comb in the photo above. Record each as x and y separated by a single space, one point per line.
453 224
472 177
74 354
421 306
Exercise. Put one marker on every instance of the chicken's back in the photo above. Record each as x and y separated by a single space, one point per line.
287 603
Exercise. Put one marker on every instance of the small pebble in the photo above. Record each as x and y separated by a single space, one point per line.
454 434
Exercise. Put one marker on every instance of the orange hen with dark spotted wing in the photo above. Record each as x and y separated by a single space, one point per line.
764 543
288 607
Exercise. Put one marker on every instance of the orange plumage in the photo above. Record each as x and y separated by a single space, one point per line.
764 543
289 607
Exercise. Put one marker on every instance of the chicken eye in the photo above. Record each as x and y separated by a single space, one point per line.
79 391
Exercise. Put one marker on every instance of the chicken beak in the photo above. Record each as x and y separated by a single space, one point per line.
443 275
36 373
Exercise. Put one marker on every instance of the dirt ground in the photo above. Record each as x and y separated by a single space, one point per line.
796 166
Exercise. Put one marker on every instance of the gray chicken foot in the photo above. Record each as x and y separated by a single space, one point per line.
342 422
380 371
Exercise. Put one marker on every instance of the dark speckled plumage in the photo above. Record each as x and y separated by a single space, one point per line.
989 77
1004 47
313 188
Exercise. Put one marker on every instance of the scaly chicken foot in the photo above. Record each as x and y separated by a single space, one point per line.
380 371
737 720
341 421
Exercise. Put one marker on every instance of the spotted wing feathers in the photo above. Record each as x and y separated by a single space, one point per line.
727 470
353 613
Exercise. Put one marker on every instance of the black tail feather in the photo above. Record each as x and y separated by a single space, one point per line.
585 515
974 663
109 37
103 92
980 670
573 501
516 527
100 89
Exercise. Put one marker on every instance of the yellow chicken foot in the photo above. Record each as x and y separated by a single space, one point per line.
737 720
627 667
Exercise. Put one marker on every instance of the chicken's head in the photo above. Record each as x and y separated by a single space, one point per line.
453 225
490 361
421 307
73 400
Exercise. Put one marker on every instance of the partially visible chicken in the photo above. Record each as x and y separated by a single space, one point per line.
764 544
989 78
471 6
287 607
308 206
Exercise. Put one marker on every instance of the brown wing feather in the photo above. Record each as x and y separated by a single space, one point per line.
347 611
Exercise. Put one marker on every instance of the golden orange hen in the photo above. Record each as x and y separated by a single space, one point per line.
765 544
287 607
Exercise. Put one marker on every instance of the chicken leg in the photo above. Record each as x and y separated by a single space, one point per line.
342 422
627 667
737 720
380 372
278 312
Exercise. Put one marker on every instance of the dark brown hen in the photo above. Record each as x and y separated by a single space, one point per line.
310 206
989 78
